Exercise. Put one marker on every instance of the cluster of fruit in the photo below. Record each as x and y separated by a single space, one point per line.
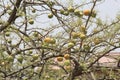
76 12
81 34
66 56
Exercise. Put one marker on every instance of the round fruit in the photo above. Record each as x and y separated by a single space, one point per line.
20 59
35 34
61 11
35 56
53 41
9 12
96 41
31 21
47 40
30 52
67 56
82 36
9 41
82 28
50 3
70 44
67 62
59 59
71 9
67 67
86 12
50 15
76 12
10 58
7 34
75 35
86 47
66 13
93 14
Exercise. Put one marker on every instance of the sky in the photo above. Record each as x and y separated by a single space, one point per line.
109 8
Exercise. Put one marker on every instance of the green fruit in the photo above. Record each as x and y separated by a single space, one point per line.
9 41
61 11
66 13
53 41
35 56
93 14
20 58
50 3
70 44
86 47
33 11
9 12
71 9
74 35
10 58
76 12
31 21
7 34
30 52
80 14
35 34
67 62
50 15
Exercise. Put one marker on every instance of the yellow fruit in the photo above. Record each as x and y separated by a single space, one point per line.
76 12
96 41
7 34
70 44
66 13
50 15
47 40
67 56
71 9
59 59
82 36
82 28
75 35
31 21
86 12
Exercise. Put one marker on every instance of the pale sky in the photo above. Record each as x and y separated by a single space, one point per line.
109 8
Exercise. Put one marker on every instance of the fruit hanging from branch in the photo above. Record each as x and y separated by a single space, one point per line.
67 56
60 59
86 12
50 15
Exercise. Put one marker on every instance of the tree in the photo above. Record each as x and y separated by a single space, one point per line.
53 40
